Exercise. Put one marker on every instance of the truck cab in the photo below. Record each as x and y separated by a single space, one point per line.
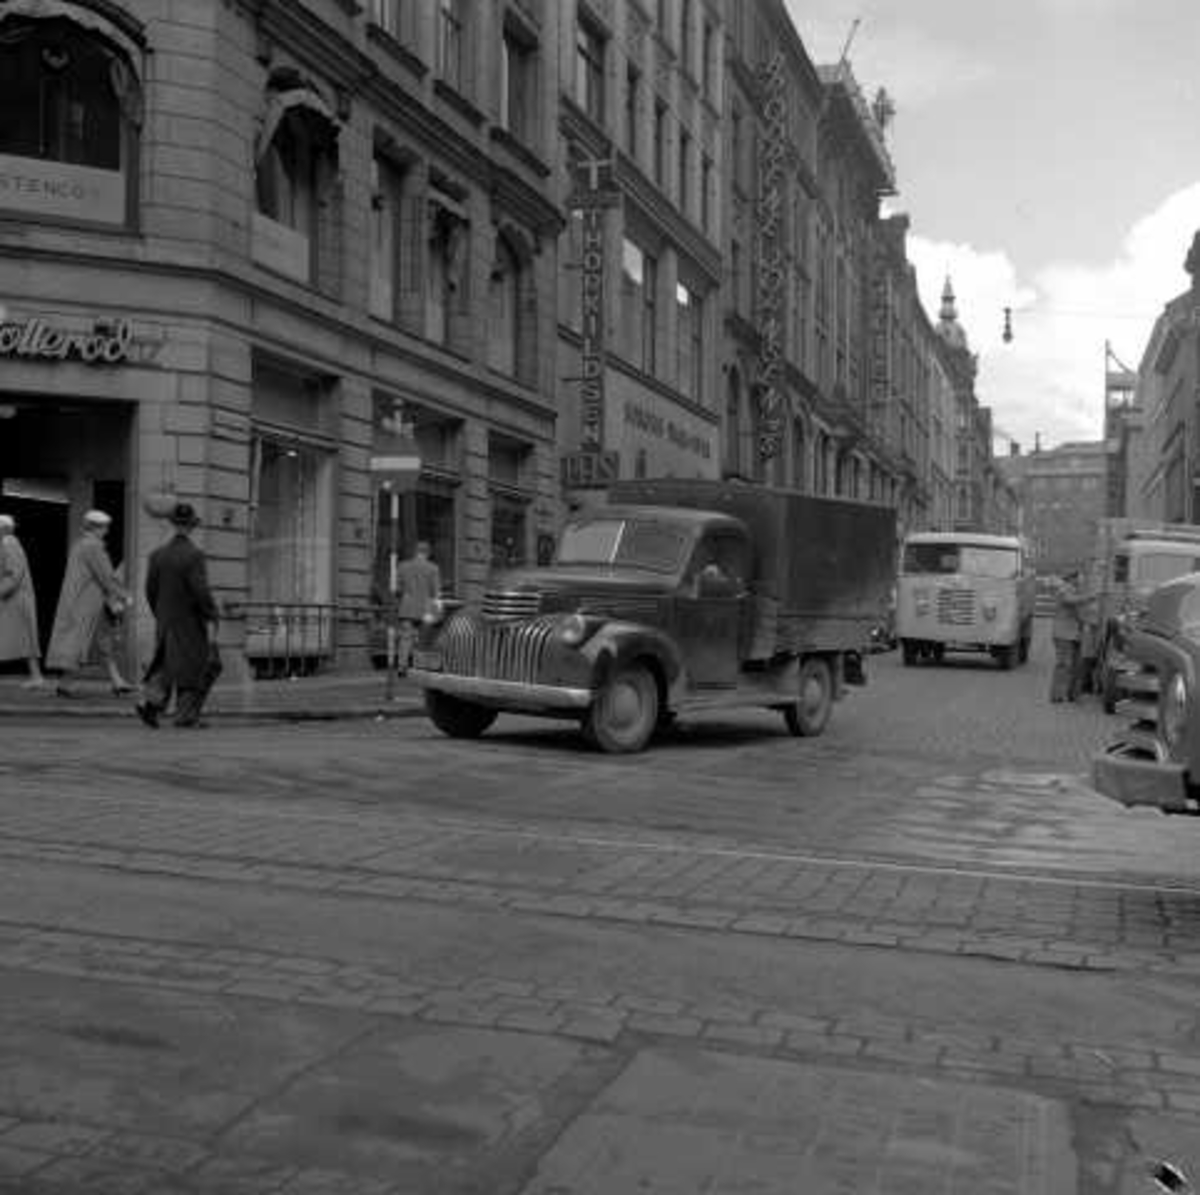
655 607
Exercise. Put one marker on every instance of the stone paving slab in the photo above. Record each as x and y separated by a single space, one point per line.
677 1123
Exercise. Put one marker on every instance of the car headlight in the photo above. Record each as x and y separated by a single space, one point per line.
1173 711
573 630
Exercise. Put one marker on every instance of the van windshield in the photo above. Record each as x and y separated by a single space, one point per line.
633 543
1156 567
999 563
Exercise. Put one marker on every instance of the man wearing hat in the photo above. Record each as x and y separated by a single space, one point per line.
90 587
186 618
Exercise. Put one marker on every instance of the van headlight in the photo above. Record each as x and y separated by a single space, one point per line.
989 611
1173 712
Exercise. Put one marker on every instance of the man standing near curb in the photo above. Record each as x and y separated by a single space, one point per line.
186 618
419 582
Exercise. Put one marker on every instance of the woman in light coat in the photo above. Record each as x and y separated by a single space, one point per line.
89 589
18 607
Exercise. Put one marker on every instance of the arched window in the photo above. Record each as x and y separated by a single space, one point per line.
504 294
70 107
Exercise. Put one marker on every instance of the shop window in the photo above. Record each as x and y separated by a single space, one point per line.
291 542
70 102
294 180
508 462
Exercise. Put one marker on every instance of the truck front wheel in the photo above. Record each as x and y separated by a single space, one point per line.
458 718
625 712
809 714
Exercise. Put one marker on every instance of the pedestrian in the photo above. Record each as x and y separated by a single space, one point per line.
18 605
1089 639
1066 631
419 583
185 660
90 588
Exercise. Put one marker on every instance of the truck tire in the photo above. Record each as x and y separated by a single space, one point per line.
809 714
625 712
458 718
908 651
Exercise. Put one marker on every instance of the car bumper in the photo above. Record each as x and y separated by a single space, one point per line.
1131 779
504 694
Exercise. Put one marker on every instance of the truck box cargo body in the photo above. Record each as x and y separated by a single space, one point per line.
672 597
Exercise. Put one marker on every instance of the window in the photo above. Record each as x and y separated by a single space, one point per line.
660 143
660 16
292 176
639 278
706 196
685 36
452 42
503 309
447 258
685 166
518 89
707 60
589 70
689 315
386 15
69 99
633 80
386 199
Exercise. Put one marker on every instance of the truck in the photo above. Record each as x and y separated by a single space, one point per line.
1132 558
965 591
670 597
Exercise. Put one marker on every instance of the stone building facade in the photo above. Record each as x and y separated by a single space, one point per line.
252 254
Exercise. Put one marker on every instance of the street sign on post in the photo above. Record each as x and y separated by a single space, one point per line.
397 473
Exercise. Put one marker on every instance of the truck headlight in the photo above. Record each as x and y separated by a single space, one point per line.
1173 711
573 630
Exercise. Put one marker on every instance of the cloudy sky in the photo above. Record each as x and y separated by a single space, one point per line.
1048 155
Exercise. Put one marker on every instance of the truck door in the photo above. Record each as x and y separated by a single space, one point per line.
710 609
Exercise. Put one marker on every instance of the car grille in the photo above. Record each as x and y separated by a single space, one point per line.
511 603
956 607
510 650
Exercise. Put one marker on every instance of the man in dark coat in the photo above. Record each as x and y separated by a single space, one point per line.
186 617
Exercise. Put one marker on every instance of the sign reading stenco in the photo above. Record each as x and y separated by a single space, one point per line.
42 341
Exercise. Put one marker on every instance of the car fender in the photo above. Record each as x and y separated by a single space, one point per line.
1168 656
617 643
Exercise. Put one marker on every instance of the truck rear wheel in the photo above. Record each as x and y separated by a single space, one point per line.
625 712
458 718
809 714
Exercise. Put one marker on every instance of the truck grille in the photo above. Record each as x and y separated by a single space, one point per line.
496 650
956 607
511 603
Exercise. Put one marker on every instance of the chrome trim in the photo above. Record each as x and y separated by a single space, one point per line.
504 692
504 604
510 650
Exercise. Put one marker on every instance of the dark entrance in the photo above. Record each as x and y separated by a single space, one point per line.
57 460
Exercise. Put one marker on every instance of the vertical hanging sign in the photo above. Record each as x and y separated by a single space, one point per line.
769 244
594 192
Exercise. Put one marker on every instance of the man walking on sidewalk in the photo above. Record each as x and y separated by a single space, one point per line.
419 582
186 618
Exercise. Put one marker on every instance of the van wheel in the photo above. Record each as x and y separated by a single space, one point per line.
908 652
1023 650
808 715
625 712
457 718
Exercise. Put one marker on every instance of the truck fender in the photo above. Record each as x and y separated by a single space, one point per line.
617 643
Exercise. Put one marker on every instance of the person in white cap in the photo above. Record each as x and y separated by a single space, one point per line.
18 606
91 591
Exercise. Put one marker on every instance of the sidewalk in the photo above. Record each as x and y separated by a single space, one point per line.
323 697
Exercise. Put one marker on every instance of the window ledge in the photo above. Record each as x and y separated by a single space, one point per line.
397 51
459 102
520 151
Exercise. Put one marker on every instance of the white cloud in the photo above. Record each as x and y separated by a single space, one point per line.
1050 379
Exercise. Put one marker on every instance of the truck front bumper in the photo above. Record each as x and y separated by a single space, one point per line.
1128 777
504 694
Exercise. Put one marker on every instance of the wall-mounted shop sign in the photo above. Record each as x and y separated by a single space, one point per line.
594 192
769 242
653 424
39 188
107 343
590 469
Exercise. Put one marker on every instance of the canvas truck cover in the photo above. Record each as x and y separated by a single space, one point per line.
824 567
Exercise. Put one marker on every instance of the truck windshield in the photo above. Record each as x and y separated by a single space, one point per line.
974 560
1156 567
630 542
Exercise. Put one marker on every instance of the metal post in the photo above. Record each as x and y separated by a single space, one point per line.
393 590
